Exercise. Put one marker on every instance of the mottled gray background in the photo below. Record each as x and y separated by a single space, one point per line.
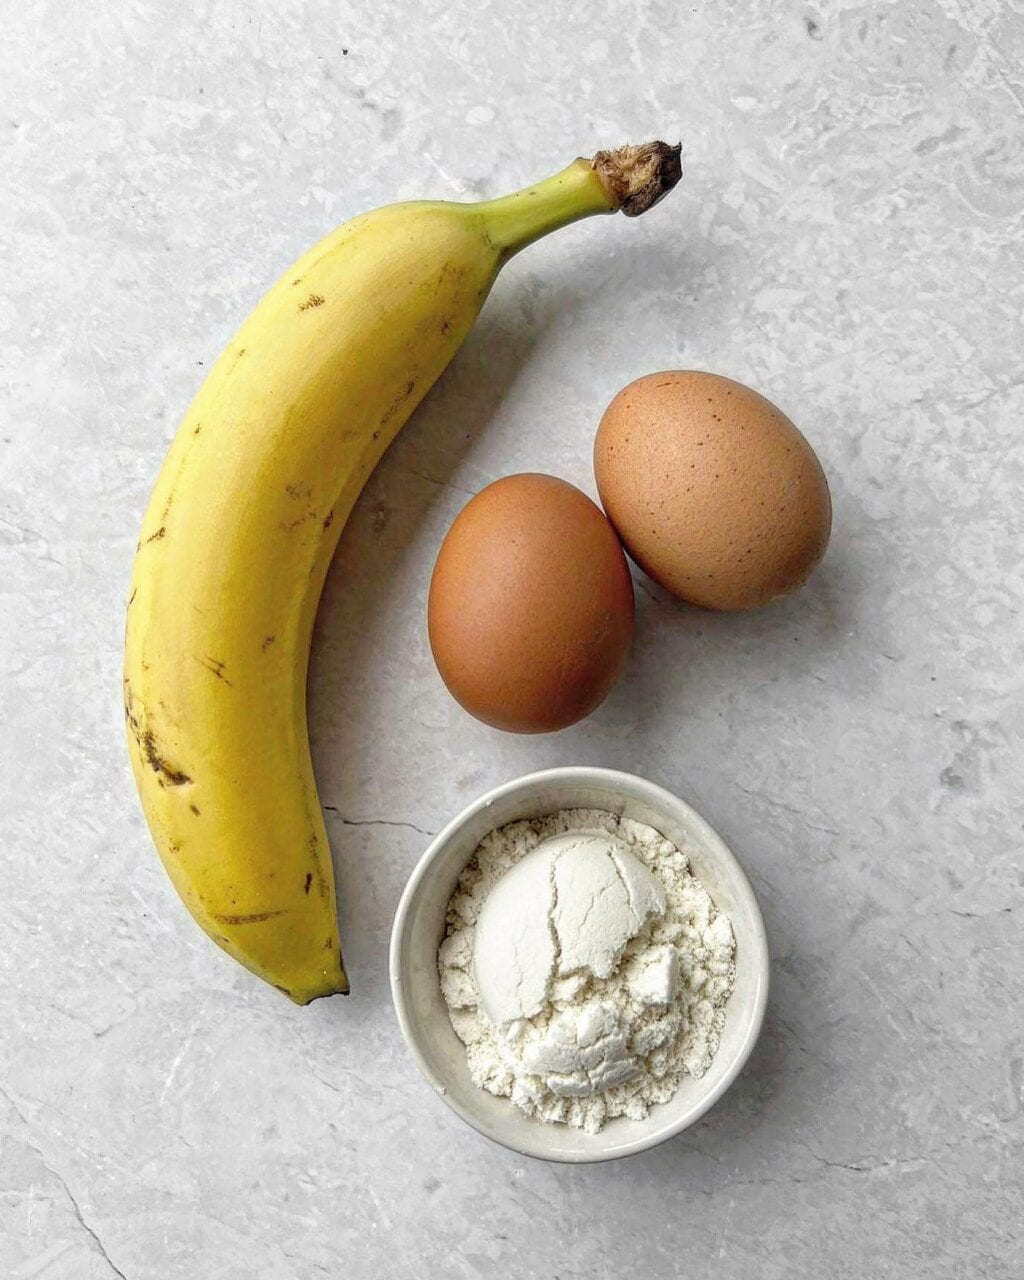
848 240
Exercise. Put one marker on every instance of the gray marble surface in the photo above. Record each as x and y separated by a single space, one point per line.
848 240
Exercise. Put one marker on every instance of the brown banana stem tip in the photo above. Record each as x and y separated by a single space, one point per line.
637 177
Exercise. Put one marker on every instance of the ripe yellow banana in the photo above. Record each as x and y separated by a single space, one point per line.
242 525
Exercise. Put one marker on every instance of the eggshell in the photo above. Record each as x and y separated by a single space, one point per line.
530 611
714 492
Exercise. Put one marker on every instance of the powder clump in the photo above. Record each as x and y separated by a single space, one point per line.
585 968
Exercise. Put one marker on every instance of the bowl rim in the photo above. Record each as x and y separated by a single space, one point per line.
659 796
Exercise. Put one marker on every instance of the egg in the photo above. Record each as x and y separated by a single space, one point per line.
530 610
714 492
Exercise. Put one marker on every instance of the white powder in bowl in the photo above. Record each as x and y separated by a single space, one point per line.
596 976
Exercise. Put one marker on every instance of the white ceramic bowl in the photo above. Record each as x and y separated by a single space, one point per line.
419 928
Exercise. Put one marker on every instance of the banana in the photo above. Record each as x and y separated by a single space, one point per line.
244 520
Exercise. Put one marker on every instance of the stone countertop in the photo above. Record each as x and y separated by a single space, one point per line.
847 240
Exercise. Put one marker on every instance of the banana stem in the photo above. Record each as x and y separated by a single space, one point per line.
516 220
632 178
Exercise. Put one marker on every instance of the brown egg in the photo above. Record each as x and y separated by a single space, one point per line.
531 605
715 493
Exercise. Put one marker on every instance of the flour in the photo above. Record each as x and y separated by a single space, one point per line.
606 1036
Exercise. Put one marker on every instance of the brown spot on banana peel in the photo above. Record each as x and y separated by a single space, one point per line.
267 642
185 455
309 881
153 537
447 269
145 740
168 775
314 300
318 870
215 667
195 809
255 917
288 525
396 404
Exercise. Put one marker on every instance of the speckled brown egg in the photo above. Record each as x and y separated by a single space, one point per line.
714 492
530 610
